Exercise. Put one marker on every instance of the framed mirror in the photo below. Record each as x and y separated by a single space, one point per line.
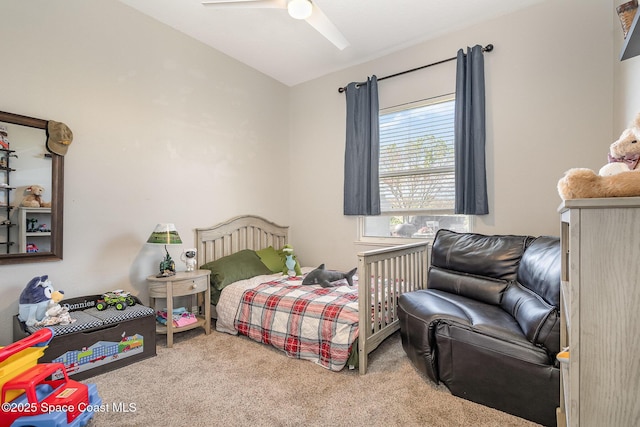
29 233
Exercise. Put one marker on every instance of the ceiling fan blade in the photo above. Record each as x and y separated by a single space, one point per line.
246 4
324 26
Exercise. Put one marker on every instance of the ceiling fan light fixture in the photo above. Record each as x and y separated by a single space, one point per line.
300 9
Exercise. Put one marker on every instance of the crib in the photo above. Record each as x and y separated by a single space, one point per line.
390 272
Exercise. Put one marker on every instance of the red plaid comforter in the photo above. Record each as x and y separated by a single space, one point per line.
306 322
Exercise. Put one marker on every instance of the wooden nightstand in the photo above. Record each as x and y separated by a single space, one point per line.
184 283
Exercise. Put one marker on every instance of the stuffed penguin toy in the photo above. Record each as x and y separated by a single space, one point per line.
35 298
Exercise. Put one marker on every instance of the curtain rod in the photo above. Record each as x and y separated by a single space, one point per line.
487 48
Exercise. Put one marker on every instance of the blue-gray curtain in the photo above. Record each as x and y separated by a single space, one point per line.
362 149
470 169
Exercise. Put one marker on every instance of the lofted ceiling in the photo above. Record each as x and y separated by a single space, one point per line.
292 51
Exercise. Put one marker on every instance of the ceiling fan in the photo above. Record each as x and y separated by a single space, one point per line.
298 9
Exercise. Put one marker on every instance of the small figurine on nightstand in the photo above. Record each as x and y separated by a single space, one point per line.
167 266
189 258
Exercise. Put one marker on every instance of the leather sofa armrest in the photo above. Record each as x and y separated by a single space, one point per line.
539 320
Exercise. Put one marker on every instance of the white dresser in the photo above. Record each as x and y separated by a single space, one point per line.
600 303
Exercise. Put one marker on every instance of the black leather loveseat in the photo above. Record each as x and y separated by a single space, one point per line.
488 324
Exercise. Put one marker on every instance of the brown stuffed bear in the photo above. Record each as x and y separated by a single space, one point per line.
619 178
34 200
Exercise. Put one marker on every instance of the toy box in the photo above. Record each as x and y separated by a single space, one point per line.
99 340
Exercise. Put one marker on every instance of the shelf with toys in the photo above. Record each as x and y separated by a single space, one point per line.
35 234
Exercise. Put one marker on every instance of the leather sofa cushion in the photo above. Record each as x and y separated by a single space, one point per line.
475 287
496 257
539 320
540 269
435 306
533 300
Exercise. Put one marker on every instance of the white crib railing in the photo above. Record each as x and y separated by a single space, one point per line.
391 272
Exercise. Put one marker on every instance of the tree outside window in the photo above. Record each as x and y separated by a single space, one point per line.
416 172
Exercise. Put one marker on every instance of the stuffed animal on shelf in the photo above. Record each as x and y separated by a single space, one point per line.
35 300
34 200
619 178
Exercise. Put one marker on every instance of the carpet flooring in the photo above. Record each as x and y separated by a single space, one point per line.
224 380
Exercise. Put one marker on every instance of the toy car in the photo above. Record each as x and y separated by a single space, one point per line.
118 298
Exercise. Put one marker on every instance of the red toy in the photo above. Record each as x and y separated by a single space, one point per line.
41 395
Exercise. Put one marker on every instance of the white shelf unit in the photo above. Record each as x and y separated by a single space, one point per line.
601 312
42 239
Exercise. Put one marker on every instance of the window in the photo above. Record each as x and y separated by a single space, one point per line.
417 181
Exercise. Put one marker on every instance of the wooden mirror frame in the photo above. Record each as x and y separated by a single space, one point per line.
57 199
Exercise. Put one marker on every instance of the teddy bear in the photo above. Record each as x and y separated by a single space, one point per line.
618 178
34 200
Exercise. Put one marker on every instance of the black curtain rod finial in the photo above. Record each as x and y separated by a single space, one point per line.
488 48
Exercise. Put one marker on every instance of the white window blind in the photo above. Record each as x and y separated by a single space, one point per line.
417 157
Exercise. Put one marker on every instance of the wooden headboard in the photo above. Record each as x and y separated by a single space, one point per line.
235 234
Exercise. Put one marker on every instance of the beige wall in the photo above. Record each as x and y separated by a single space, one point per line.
166 130
549 108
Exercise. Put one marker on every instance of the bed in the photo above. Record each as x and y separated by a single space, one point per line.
389 272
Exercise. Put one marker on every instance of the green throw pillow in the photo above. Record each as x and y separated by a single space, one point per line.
272 259
276 260
244 264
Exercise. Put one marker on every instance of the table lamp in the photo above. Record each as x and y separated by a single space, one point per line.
165 234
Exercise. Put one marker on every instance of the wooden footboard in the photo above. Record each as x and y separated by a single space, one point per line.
391 272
